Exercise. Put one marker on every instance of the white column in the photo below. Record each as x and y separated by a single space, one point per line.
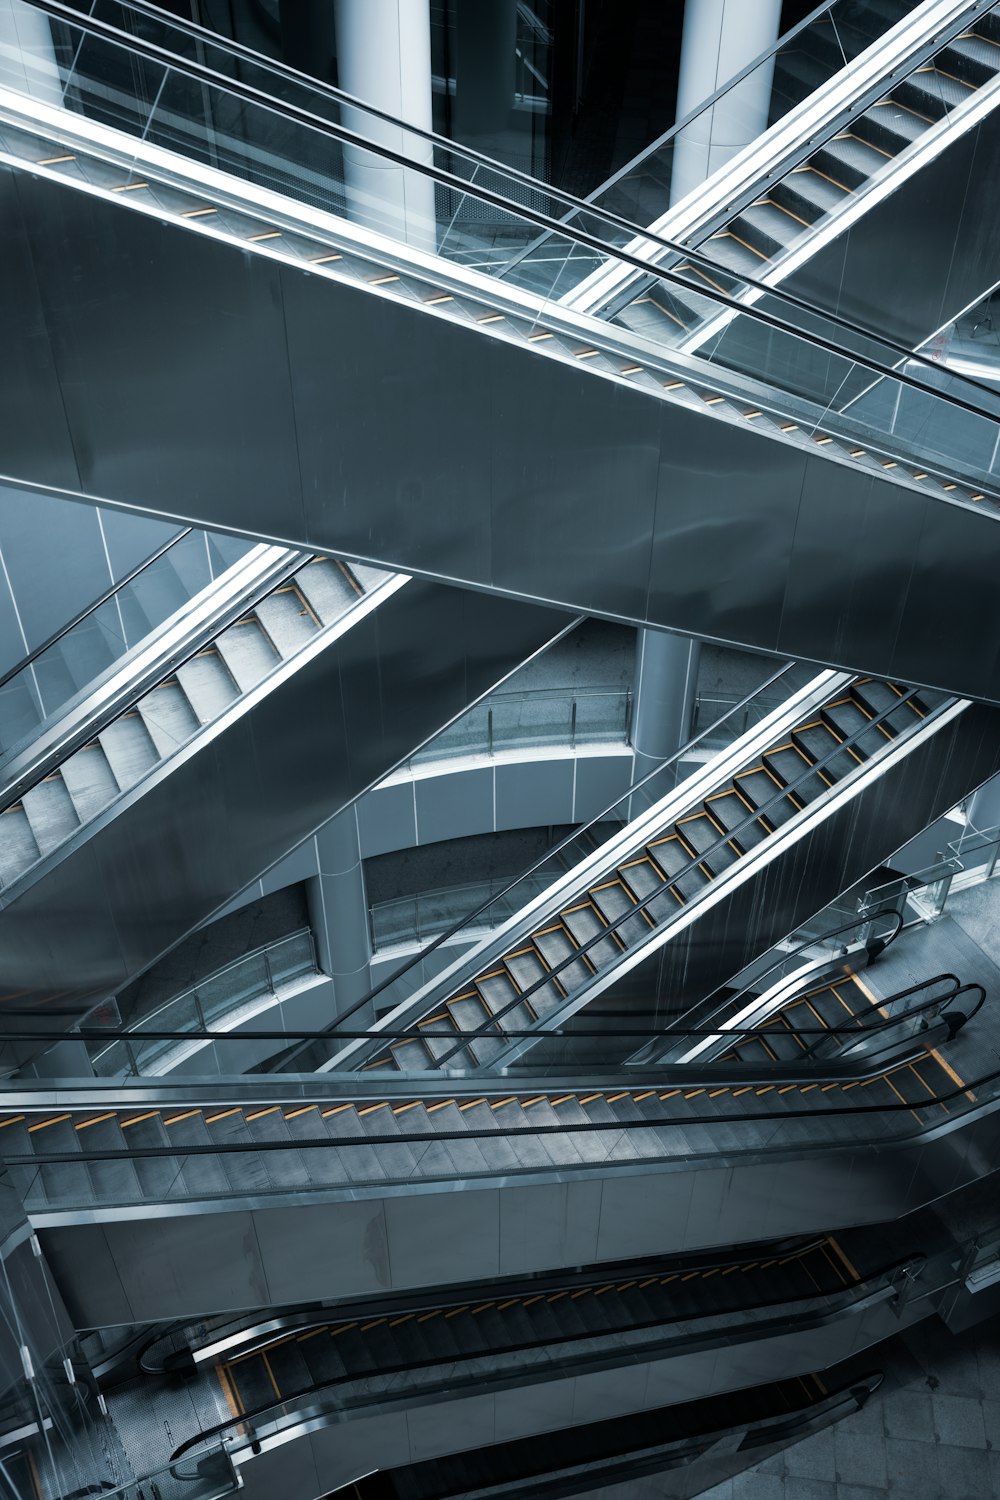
27 56
384 58
720 37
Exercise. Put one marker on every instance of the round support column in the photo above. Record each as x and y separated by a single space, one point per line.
720 37
384 58
338 910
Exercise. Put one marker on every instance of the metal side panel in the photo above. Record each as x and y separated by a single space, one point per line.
211 1257
225 810
296 408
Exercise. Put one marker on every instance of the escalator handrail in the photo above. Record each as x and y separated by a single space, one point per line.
100 1033
591 242
109 593
575 205
842 1032
552 853
964 1090
686 869
322 1317
570 1336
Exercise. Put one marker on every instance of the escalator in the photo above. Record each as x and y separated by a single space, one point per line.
631 1334
180 774
671 905
182 216
675 1156
834 165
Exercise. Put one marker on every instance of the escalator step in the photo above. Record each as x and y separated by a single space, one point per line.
613 900
556 946
208 684
247 653
168 716
644 879
50 812
529 971
808 192
585 924
733 812
129 749
287 619
89 780
672 857
326 589
849 161
767 796
932 92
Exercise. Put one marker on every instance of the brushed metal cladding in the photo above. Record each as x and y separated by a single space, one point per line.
34 430
171 362
206 383
218 1258
816 869
839 592
723 538
168 857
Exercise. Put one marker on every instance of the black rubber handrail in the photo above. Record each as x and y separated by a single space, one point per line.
109 593
545 221
586 1127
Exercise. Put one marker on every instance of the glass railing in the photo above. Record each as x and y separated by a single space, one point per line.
73 658
236 992
417 919
534 719
822 371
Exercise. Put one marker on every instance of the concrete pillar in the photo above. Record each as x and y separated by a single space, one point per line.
338 910
720 37
666 679
485 33
384 58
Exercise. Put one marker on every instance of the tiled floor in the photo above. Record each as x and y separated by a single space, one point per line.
931 1433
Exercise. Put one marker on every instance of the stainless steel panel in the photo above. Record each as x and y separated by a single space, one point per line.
852 551
205 383
574 483
150 329
725 518
224 812
34 432
391 459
